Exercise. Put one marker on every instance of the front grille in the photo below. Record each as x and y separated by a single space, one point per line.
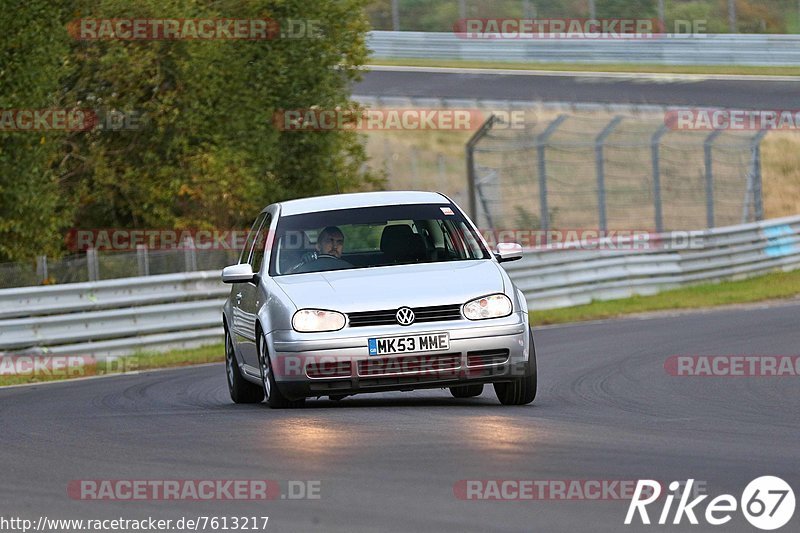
329 369
409 364
421 314
487 357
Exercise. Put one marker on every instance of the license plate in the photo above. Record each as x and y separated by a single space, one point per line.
410 343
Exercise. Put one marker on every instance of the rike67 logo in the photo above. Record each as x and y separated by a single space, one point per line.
767 503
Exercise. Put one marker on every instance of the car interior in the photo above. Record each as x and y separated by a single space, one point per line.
406 242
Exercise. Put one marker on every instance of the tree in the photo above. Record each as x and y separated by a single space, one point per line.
33 56
207 153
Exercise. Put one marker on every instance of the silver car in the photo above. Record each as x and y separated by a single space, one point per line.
370 292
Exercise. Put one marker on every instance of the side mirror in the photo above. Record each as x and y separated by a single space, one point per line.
237 273
508 251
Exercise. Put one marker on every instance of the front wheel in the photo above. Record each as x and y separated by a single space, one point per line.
275 399
522 390
241 390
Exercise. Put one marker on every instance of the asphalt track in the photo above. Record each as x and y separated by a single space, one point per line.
670 90
606 410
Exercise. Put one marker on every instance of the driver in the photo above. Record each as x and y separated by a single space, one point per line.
330 243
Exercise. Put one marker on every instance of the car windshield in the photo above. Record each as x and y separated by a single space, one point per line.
373 237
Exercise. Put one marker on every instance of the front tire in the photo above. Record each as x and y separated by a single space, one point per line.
241 390
275 399
467 391
522 390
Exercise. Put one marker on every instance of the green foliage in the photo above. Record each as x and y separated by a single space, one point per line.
203 151
33 54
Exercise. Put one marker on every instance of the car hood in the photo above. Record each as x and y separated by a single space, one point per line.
390 287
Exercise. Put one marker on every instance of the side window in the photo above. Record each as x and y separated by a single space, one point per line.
248 244
257 257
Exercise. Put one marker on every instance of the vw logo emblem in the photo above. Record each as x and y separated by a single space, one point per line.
405 316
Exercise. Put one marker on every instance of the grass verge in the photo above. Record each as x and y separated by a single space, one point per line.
767 287
57 368
595 67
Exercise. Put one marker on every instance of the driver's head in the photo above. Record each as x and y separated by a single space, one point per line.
331 241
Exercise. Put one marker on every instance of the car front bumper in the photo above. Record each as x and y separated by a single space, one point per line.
337 363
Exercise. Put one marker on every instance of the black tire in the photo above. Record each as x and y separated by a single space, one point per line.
270 391
467 391
242 391
522 390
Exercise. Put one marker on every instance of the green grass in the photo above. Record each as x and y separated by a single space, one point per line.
134 363
766 287
593 67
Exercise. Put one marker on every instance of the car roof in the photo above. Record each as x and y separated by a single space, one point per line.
359 199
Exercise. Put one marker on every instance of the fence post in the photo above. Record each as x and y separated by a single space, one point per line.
442 184
189 255
471 172
654 144
708 145
541 145
758 199
143 259
92 265
41 268
388 159
601 178
414 168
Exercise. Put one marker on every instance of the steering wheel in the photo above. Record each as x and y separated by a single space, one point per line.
324 262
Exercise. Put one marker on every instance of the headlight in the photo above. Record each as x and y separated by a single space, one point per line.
313 320
494 306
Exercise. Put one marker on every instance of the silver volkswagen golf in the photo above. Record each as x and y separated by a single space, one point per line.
369 292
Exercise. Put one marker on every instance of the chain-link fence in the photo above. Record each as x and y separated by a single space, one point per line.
613 173
94 266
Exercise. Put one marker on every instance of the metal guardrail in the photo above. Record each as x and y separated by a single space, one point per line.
567 277
677 49
157 312
114 317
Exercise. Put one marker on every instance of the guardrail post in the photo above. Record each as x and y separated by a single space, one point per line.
708 145
758 199
601 179
143 259
41 268
541 145
471 172
654 148
92 265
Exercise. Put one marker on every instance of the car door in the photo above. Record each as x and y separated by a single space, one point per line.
243 331
250 300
